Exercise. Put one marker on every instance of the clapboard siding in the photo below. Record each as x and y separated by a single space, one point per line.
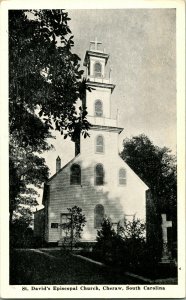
117 200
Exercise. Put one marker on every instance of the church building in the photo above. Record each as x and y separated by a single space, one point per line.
97 180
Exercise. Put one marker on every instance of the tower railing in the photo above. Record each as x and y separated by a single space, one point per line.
98 79
102 121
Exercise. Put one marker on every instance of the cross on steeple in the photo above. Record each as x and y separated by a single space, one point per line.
96 43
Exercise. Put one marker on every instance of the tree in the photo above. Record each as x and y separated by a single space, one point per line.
157 168
27 172
106 232
45 81
44 73
109 245
76 222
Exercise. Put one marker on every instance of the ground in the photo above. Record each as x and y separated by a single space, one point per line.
32 267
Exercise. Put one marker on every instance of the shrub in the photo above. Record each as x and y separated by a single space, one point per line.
134 230
109 244
20 234
125 248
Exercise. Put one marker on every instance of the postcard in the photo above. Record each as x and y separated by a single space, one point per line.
93 149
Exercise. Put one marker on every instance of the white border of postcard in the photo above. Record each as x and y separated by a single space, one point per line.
19 291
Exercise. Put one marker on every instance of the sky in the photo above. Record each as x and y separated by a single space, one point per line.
142 48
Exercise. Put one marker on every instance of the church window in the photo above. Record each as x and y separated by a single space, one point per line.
99 144
97 69
122 177
99 175
98 215
75 174
98 108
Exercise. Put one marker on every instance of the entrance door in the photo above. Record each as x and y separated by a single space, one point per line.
66 228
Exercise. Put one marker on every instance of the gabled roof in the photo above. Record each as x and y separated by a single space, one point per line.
51 178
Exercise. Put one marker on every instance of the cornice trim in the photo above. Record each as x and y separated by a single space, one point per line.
95 54
106 128
101 85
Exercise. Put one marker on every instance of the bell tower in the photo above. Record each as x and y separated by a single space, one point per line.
98 101
95 60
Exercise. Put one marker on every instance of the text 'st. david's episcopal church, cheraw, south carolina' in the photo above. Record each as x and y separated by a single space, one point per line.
97 180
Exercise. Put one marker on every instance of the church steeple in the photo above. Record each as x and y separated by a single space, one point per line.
98 100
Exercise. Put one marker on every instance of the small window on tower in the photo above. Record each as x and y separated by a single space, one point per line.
98 108
97 69
122 177
99 175
99 144
75 174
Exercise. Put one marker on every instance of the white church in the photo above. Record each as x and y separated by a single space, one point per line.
97 180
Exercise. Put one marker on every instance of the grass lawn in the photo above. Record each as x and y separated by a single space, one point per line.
152 272
29 267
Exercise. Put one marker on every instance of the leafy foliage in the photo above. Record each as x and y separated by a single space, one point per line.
76 223
124 247
106 232
157 168
109 245
134 229
127 250
44 73
45 81
27 172
20 234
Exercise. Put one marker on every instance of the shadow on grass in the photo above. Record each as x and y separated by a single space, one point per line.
32 268
149 270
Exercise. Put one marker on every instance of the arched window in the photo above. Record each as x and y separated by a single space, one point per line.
99 144
75 174
97 69
99 175
122 177
98 215
98 108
